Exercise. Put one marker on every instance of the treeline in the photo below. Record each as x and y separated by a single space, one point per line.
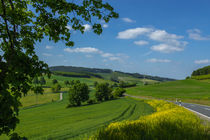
201 77
74 74
141 76
96 71
202 71
79 69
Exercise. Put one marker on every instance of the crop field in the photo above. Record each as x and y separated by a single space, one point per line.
55 121
188 90
169 122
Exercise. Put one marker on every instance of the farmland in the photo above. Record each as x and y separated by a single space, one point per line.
188 90
55 121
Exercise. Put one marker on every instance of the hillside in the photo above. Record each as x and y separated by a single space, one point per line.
193 91
106 73
202 71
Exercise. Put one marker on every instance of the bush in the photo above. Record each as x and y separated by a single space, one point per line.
56 87
118 92
54 81
170 122
78 93
103 92
91 101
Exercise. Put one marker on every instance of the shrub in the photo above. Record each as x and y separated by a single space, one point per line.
91 101
78 93
170 122
56 87
103 92
54 81
118 92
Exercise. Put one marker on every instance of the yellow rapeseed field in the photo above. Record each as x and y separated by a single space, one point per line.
169 122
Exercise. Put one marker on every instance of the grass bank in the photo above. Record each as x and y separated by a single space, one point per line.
169 122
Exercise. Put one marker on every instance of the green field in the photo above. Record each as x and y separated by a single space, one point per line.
55 121
188 90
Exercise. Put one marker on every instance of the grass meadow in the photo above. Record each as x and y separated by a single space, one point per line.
193 91
169 122
54 121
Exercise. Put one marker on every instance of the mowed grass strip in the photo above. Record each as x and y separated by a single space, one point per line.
55 121
187 90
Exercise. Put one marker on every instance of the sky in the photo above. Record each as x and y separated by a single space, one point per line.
168 38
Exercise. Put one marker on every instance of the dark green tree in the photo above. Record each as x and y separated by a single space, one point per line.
22 24
54 81
103 92
66 82
42 81
118 92
78 93
36 81
56 87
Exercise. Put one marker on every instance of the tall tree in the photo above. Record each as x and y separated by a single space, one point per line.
22 24
42 81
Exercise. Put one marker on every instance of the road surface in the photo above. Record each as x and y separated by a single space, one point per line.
201 110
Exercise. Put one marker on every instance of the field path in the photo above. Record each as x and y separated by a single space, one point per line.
201 110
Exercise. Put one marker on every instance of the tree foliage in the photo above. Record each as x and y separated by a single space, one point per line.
103 92
54 81
56 87
78 93
42 81
25 22
118 92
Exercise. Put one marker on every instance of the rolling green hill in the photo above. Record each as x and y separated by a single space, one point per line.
105 73
202 71
194 91
55 121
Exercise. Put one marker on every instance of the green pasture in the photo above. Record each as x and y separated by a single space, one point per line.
188 90
55 121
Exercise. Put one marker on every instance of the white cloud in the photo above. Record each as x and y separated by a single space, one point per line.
82 50
205 61
60 55
105 25
167 43
49 47
154 60
195 34
133 33
141 42
166 48
90 50
128 20
87 27
46 54
163 36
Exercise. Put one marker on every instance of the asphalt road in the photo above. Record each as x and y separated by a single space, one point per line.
202 109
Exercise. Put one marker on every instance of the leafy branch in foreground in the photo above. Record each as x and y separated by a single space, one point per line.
22 24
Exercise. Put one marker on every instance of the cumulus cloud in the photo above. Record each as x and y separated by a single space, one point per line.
128 20
91 50
205 61
49 47
167 48
46 54
133 33
105 25
82 50
141 42
195 34
166 42
154 60
87 27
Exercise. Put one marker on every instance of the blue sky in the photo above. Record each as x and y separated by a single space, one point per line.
169 38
